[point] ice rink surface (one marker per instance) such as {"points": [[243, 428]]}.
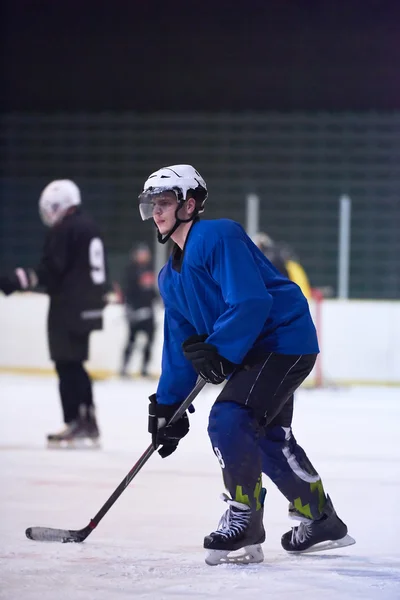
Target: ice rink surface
{"points": [[149, 546]]}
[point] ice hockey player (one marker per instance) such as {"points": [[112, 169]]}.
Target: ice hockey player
{"points": [[138, 290], [72, 272], [271, 251], [284, 259], [229, 314]]}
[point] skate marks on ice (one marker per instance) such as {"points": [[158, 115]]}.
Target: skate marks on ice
{"points": [[104, 571], [151, 549], [384, 570]]}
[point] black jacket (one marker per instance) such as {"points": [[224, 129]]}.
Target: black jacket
{"points": [[138, 286], [73, 273]]}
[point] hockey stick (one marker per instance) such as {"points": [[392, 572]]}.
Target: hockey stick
{"points": [[48, 534]]}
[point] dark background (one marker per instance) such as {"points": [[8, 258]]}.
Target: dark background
{"points": [[172, 56], [297, 101]]}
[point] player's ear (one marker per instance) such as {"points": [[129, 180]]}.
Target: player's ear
{"points": [[191, 205]]}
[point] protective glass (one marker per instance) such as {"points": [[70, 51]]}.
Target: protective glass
{"points": [[156, 200]]}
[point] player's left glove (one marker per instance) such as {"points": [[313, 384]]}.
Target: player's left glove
{"points": [[20, 279], [205, 359], [168, 436]]}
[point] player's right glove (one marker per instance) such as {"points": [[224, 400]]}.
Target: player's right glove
{"points": [[166, 436], [205, 359]]}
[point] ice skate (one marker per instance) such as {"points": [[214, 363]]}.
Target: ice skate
{"points": [[296, 515], [148, 376], [83, 433], [123, 373], [92, 428], [327, 533], [239, 535]]}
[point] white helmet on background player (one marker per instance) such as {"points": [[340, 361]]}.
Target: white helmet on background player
{"points": [[56, 199], [184, 181]]}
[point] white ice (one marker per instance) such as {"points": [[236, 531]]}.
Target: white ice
{"points": [[150, 543]]}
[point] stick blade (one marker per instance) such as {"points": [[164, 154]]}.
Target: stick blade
{"points": [[48, 534]]}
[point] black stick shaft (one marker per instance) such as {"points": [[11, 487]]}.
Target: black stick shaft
{"points": [[144, 458]]}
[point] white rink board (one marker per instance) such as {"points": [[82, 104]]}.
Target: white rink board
{"points": [[149, 546], [360, 340]]}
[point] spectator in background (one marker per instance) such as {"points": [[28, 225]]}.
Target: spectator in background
{"points": [[284, 259], [138, 294]]}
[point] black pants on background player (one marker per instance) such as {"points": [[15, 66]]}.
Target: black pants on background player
{"points": [[146, 326], [69, 351]]}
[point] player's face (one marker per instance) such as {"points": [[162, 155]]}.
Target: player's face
{"points": [[142, 257], [164, 207]]}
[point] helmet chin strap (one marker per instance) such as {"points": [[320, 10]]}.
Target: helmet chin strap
{"points": [[164, 239]]}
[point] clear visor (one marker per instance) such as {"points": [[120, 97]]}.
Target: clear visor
{"points": [[156, 200]]}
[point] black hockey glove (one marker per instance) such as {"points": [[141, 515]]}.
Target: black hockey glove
{"points": [[205, 359], [168, 436], [20, 279]]}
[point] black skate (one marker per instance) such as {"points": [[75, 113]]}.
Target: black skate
{"points": [[327, 533], [240, 528], [92, 428]]}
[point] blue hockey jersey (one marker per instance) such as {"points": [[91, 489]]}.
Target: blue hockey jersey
{"points": [[221, 284]]}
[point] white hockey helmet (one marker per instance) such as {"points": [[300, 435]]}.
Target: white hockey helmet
{"points": [[56, 198], [178, 179]]}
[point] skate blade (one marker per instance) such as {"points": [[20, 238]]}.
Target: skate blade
{"points": [[245, 556], [347, 540], [76, 444]]}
